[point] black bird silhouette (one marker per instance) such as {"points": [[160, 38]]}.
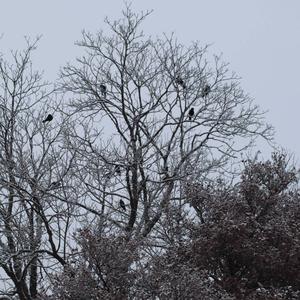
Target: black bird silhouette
{"points": [[55, 184], [206, 90], [48, 119], [118, 169], [180, 81], [122, 205], [191, 113], [103, 90]]}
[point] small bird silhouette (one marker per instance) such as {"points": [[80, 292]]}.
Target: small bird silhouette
{"points": [[122, 205], [103, 90], [206, 90], [180, 81], [48, 119], [191, 113], [55, 184], [118, 169]]}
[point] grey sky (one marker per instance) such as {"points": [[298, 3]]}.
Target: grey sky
{"points": [[260, 39]]}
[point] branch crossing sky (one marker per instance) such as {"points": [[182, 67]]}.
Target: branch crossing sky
{"points": [[260, 40]]}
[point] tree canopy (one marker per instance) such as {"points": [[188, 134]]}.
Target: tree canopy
{"points": [[115, 180]]}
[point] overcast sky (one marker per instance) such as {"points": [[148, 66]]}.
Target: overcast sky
{"points": [[259, 38]]}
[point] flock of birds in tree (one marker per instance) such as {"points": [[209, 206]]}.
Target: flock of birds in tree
{"points": [[205, 91], [103, 90]]}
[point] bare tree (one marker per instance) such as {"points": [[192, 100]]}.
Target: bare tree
{"points": [[245, 247], [152, 114], [146, 117], [34, 169]]}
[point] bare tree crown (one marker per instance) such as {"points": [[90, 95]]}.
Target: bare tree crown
{"points": [[157, 109], [131, 123]]}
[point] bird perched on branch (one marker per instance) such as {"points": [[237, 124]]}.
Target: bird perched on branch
{"points": [[55, 184], [118, 170], [48, 119], [191, 113], [180, 81], [206, 90], [122, 205], [103, 90]]}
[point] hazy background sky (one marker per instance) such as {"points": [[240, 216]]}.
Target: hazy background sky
{"points": [[260, 39]]}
